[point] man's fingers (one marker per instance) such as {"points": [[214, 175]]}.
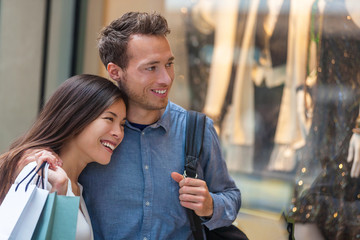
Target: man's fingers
{"points": [[194, 194], [193, 182], [177, 176], [202, 205], [191, 205], [187, 189], [188, 197]]}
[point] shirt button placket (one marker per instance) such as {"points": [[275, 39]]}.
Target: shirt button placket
{"points": [[146, 228]]}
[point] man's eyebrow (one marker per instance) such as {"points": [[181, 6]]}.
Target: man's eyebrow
{"points": [[151, 63], [156, 62]]}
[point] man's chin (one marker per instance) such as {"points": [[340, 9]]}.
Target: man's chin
{"points": [[157, 106]]}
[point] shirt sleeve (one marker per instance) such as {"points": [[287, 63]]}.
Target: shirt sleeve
{"points": [[226, 196]]}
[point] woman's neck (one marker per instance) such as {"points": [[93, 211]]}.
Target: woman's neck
{"points": [[73, 165]]}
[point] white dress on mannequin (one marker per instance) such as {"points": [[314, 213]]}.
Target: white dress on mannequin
{"points": [[238, 132]]}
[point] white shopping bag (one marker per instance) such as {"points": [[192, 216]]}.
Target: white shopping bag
{"points": [[20, 211]]}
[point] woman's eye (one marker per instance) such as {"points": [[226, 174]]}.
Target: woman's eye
{"points": [[109, 118]]}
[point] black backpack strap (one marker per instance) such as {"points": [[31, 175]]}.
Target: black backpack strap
{"points": [[195, 129]]}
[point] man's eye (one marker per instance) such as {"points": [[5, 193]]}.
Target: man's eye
{"points": [[169, 64], [151, 68]]}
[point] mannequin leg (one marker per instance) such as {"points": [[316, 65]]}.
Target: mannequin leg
{"points": [[307, 231]]}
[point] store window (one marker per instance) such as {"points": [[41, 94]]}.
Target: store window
{"points": [[280, 79]]}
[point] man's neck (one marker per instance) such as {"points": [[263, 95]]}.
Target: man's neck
{"points": [[143, 116]]}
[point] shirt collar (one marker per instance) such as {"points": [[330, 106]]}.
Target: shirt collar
{"points": [[163, 122]]}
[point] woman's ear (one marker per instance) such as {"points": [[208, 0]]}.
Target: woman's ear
{"points": [[115, 72]]}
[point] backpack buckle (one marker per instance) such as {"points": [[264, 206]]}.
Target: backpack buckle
{"points": [[185, 175]]}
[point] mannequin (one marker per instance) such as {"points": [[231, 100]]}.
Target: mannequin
{"points": [[328, 209], [238, 129], [199, 26], [268, 75]]}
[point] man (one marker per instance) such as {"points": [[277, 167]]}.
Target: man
{"points": [[140, 194]]}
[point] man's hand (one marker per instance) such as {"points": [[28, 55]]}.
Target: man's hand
{"points": [[354, 155], [194, 194]]}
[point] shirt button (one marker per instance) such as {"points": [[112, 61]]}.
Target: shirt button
{"points": [[143, 133], [145, 238], [146, 167], [147, 203]]}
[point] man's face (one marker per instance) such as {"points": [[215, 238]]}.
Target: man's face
{"points": [[150, 73]]}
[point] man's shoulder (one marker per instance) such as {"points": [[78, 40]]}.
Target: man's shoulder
{"points": [[178, 111], [174, 108], [173, 116]]}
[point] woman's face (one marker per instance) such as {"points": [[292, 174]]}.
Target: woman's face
{"points": [[98, 140]]}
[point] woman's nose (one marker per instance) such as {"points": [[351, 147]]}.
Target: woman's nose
{"points": [[118, 132]]}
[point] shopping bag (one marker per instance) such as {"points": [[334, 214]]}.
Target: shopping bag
{"points": [[21, 209], [58, 219]]}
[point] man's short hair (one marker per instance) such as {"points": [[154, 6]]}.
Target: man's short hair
{"points": [[113, 39]]}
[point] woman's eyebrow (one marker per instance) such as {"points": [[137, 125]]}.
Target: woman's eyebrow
{"points": [[112, 113]]}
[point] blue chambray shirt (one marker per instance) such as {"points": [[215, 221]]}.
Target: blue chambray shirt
{"points": [[134, 196]]}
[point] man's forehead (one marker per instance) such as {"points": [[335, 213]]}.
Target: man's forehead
{"points": [[149, 49]]}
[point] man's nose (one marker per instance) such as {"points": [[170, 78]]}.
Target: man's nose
{"points": [[166, 76]]}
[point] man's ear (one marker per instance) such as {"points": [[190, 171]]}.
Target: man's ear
{"points": [[115, 72]]}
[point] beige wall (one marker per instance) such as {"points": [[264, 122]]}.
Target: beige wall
{"points": [[94, 23], [116, 8], [20, 65], [21, 60]]}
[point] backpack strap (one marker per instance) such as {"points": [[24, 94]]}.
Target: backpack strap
{"points": [[195, 129]]}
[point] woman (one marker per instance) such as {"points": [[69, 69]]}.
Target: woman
{"points": [[82, 122]]}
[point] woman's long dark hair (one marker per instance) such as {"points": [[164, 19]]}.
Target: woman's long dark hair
{"points": [[74, 105]]}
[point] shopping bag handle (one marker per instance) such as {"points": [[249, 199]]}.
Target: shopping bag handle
{"points": [[42, 166]]}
